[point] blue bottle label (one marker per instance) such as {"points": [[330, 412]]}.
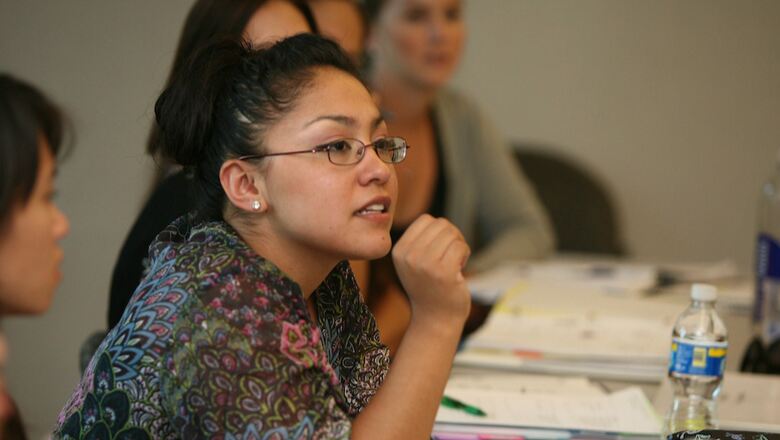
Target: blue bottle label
{"points": [[698, 358], [767, 301], [767, 268]]}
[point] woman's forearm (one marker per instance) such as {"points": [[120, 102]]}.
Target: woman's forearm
{"points": [[406, 404]]}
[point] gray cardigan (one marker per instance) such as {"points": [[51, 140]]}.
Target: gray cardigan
{"points": [[487, 196]]}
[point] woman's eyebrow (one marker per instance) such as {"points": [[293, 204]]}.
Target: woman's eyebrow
{"points": [[341, 119], [377, 122], [344, 120]]}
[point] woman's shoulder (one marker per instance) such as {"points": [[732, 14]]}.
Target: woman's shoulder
{"points": [[205, 269], [212, 264], [460, 118], [456, 103]]}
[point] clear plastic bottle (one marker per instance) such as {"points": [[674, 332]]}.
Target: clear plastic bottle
{"points": [[696, 363]]}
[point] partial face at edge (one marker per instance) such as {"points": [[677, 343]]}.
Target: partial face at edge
{"points": [[319, 207], [30, 255]]}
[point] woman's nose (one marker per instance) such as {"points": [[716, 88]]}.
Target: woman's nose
{"points": [[438, 27], [373, 169], [61, 224]]}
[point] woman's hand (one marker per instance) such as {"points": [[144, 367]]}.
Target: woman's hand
{"points": [[429, 259]]}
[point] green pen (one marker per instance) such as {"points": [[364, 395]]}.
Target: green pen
{"points": [[449, 402]]}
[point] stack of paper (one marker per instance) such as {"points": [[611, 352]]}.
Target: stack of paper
{"points": [[606, 276], [544, 407], [508, 361], [611, 276], [556, 328]]}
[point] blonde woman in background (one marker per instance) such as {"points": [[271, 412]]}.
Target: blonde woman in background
{"points": [[461, 168]]}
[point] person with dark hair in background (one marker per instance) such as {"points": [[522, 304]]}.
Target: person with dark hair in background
{"points": [[31, 225], [257, 21], [461, 170], [249, 323]]}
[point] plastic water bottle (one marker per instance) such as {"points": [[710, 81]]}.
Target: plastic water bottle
{"points": [[766, 312], [696, 364]]}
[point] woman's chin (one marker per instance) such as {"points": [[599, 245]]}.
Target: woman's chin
{"points": [[435, 78], [373, 252]]}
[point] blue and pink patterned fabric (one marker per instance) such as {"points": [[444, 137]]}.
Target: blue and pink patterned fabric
{"points": [[218, 343]]}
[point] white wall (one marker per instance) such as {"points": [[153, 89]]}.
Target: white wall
{"points": [[675, 104]]}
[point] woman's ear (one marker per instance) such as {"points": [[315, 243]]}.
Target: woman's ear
{"points": [[243, 185]]}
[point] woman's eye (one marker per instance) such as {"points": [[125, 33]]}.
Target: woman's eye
{"points": [[339, 146], [415, 14], [382, 144], [453, 14]]}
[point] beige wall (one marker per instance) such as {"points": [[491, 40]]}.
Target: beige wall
{"points": [[675, 104]]}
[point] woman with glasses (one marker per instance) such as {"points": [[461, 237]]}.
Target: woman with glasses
{"points": [[257, 21], [249, 323], [461, 168], [31, 224]]}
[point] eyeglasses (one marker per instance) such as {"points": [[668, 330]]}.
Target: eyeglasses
{"points": [[351, 151]]}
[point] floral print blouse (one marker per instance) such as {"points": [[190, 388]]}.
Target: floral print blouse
{"points": [[218, 343]]}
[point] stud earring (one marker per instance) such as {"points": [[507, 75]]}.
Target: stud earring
{"points": [[256, 205]]}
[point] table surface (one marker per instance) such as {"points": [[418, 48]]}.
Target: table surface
{"points": [[737, 320]]}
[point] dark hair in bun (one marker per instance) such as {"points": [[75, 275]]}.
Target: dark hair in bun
{"points": [[210, 20]]}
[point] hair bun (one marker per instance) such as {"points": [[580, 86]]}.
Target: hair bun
{"points": [[186, 108]]}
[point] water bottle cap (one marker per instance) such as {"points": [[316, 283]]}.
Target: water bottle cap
{"points": [[704, 292]]}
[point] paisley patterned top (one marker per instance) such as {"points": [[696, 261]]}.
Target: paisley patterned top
{"points": [[218, 343]]}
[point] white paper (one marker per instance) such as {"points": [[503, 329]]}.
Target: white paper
{"points": [[524, 383], [617, 277], [487, 287], [626, 411], [602, 275], [560, 322], [606, 275], [572, 336], [495, 360]]}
